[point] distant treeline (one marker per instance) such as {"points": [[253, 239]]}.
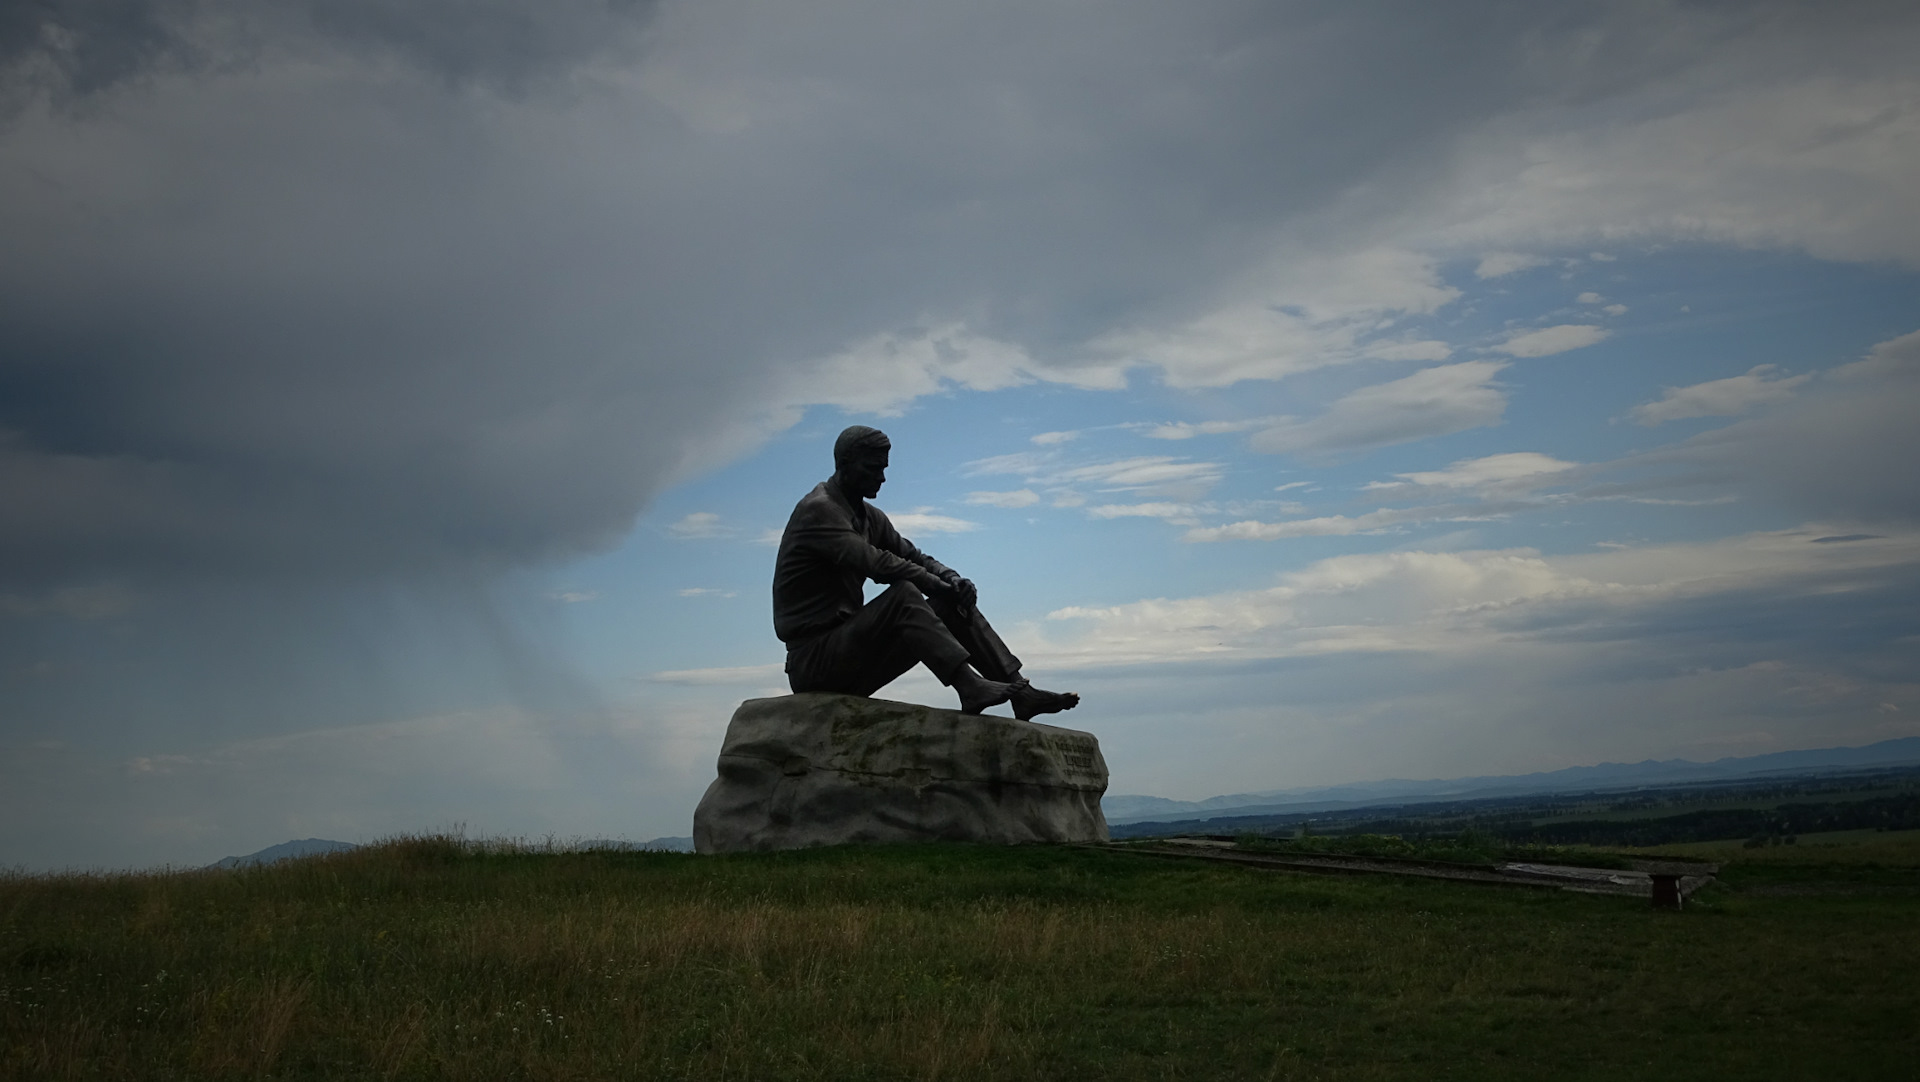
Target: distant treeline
{"points": [[1531, 820], [1900, 812]]}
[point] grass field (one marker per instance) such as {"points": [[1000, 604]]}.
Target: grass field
{"points": [[433, 958]]}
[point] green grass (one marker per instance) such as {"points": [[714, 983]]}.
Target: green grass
{"points": [[431, 958]]}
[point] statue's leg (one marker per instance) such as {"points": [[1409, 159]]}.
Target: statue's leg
{"points": [[989, 655], [889, 635], [994, 661]]}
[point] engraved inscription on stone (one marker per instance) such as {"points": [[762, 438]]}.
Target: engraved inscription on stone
{"points": [[1077, 752]]}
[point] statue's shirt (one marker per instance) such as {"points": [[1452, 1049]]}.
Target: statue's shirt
{"points": [[832, 545]]}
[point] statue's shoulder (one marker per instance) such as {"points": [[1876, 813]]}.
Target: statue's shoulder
{"points": [[817, 497], [819, 506]]}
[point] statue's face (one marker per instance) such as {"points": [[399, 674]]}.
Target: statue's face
{"points": [[865, 474]]}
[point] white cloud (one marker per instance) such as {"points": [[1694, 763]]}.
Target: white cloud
{"points": [[1024, 497], [575, 597], [882, 373], [1185, 430], [1457, 603], [165, 764], [1049, 439], [1156, 474], [1431, 402], [706, 591], [1894, 358], [1615, 309], [1743, 149], [1020, 462], [1371, 603], [1420, 349], [1297, 314], [1590, 298], [921, 520], [1501, 264], [699, 525], [754, 675], [1291, 485], [1481, 473], [1551, 340], [1143, 473], [1180, 514], [1720, 397], [1324, 526]]}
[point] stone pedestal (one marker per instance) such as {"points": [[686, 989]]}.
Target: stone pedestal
{"points": [[817, 769]]}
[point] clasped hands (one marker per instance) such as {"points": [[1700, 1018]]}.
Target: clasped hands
{"points": [[965, 593]]}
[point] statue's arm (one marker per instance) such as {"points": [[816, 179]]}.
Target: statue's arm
{"points": [[837, 542], [949, 579], [888, 538]]}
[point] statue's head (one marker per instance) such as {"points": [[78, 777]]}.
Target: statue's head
{"points": [[860, 460]]}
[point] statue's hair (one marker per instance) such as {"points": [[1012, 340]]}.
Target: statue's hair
{"points": [[856, 439]]}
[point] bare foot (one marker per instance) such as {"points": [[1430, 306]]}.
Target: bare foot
{"points": [[977, 693], [1030, 701]]}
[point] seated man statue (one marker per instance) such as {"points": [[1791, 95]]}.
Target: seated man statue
{"points": [[834, 542]]}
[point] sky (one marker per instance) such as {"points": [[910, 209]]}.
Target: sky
{"points": [[398, 403]]}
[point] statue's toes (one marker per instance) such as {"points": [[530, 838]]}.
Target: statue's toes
{"points": [[1030, 701]]}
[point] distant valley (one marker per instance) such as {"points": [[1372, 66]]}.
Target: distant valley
{"points": [[1604, 777]]}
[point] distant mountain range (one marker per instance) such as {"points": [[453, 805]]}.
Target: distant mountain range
{"points": [[1606, 776], [273, 854], [307, 847]]}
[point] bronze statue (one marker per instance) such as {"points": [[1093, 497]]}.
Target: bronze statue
{"points": [[928, 614]]}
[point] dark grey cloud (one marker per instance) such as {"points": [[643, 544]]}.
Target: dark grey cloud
{"points": [[1851, 620], [77, 48], [410, 284], [1837, 450], [502, 43], [74, 49], [1841, 452]]}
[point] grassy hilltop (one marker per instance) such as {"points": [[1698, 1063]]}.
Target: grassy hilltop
{"points": [[434, 958]]}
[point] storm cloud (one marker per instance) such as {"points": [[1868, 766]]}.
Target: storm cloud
{"points": [[335, 289]]}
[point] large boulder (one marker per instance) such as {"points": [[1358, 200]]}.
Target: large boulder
{"points": [[818, 769]]}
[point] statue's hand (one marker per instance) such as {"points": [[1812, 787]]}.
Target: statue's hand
{"points": [[967, 592], [963, 591]]}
